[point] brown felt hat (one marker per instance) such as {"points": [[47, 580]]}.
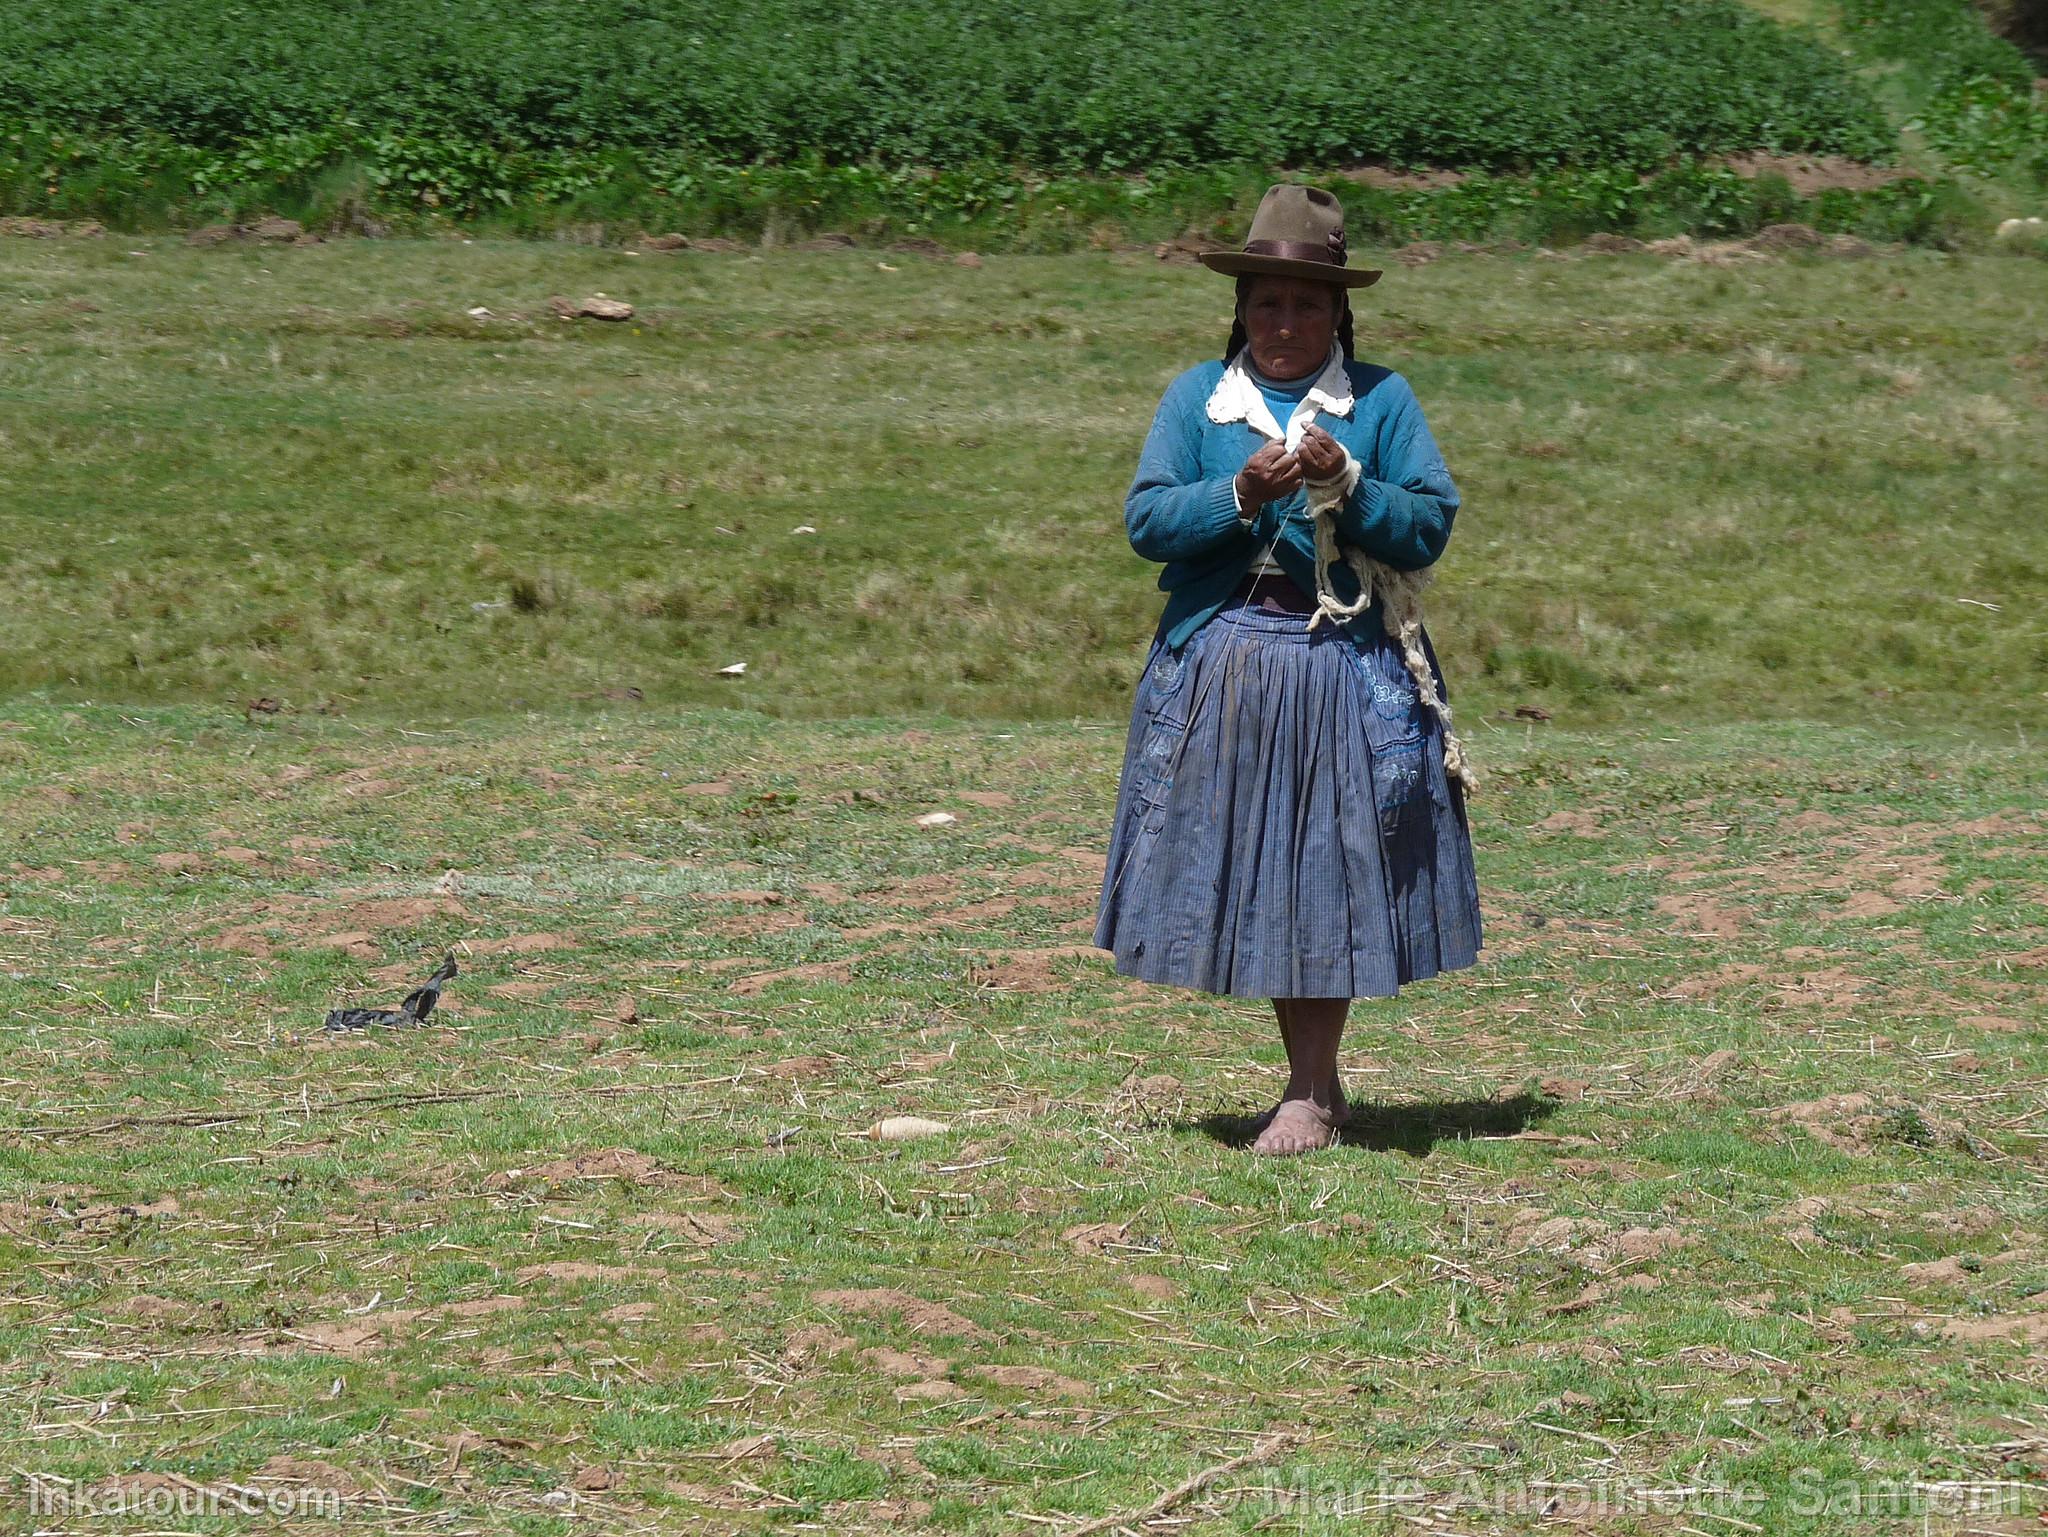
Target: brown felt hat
{"points": [[1298, 232]]}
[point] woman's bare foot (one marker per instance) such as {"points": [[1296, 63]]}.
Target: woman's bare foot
{"points": [[1340, 1114], [1298, 1126]]}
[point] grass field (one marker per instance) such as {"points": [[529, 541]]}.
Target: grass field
{"points": [[1693, 491], [605, 1241], [1720, 1175]]}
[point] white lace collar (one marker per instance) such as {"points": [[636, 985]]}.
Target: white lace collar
{"points": [[1237, 398]]}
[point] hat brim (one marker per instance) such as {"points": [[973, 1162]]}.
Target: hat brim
{"points": [[1238, 264]]}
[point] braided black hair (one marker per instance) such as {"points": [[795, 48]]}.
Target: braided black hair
{"points": [[1244, 289]]}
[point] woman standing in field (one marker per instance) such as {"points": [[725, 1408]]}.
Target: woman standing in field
{"points": [[1291, 819]]}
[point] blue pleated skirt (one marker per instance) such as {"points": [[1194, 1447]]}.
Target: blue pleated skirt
{"points": [[1284, 825]]}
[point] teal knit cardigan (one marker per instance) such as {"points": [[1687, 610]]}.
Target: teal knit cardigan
{"points": [[1182, 506]]}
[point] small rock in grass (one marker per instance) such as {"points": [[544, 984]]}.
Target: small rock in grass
{"points": [[904, 1128]]}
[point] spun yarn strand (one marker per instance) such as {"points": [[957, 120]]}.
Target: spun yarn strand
{"points": [[1400, 611]]}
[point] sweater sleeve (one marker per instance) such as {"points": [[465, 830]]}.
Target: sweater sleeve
{"points": [[1171, 512], [1404, 516]]}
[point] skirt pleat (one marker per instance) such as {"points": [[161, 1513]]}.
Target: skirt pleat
{"points": [[1284, 825]]}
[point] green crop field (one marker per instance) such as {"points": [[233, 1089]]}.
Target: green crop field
{"points": [[1046, 83], [1052, 126], [346, 626]]}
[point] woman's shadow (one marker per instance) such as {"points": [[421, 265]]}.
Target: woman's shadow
{"points": [[1413, 1128]]}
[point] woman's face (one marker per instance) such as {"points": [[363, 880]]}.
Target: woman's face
{"points": [[1290, 323]]}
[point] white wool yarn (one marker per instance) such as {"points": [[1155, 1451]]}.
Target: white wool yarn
{"points": [[1400, 611]]}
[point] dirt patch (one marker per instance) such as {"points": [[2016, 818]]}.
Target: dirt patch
{"points": [[1998, 824], [1700, 915], [1094, 1237], [1946, 1271], [812, 1342], [624, 1163], [325, 1476], [920, 1316], [840, 972], [1389, 180], [1035, 1379], [1723, 978], [520, 944], [701, 1228], [1831, 989], [1862, 1123], [352, 1337], [1581, 824], [934, 1391], [243, 941], [1028, 971], [1809, 174], [903, 1363], [1642, 1243], [2023, 1328], [799, 1067], [519, 990], [750, 925], [396, 913], [109, 1216], [583, 1270], [156, 1310]]}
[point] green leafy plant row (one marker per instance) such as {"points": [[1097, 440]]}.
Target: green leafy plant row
{"points": [[413, 184], [1054, 84], [340, 180]]}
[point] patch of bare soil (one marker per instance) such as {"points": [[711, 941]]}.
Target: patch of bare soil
{"points": [[1094, 1237], [1582, 824], [903, 1363], [819, 971], [50, 229], [624, 1163], [704, 1228], [521, 990], [110, 1216], [1035, 1379], [1861, 1123], [774, 920], [1028, 971], [583, 1270], [810, 1343], [325, 1476], [156, 1310], [1387, 179], [2022, 1328], [799, 1067], [520, 944], [1693, 914], [918, 1315], [935, 1390], [1809, 174], [1723, 978], [394, 913]]}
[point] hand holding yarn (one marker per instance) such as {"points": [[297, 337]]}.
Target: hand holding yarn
{"points": [[1268, 475], [1321, 456]]}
